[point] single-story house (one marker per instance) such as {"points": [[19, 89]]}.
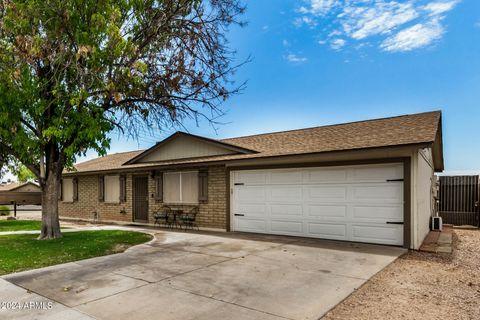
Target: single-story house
{"points": [[367, 181], [20, 193]]}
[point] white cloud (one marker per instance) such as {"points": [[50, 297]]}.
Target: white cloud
{"points": [[381, 18], [477, 24], [303, 10], [335, 33], [414, 37], [323, 6], [439, 7], [293, 58], [285, 43], [319, 7], [338, 44], [305, 20], [392, 25]]}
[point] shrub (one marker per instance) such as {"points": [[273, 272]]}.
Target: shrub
{"points": [[4, 211]]}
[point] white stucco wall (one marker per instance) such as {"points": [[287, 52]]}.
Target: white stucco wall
{"points": [[422, 195]]}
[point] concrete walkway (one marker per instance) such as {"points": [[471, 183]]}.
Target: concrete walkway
{"points": [[439, 241], [210, 276]]}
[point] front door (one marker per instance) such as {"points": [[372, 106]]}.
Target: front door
{"points": [[140, 199]]}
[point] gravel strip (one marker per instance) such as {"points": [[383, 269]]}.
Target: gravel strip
{"points": [[422, 286]]}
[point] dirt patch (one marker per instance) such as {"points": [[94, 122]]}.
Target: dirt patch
{"points": [[119, 248], [422, 285]]}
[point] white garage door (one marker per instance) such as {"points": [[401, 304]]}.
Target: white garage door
{"points": [[355, 203]]}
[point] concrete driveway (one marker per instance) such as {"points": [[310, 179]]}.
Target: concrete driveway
{"points": [[203, 276]]}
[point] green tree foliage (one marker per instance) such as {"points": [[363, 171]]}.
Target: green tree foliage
{"points": [[73, 70], [24, 174]]}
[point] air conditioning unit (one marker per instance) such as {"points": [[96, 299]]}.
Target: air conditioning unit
{"points": [[437, 223]]}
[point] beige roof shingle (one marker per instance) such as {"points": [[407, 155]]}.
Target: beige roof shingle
{"points": [[395, 131], [409, 129], [14, 185]]}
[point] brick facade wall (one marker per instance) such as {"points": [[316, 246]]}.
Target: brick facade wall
{"points": [[213, 214], [88, 203]]}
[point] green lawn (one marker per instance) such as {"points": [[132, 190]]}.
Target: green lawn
{"points": [[17, 225], [23, 252]]}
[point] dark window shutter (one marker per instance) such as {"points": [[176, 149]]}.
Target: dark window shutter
{"points": [[203, 186], [101, 189], [75, 189], [159, 186], [60, 192], [123, 189]]}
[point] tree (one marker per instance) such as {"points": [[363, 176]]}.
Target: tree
{"points": [[72, 71], [24, 174]]}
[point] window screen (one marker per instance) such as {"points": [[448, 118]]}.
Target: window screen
{"points": [[180, 187], [171, 187], [189, 187], [112, 188], [67, 190]]}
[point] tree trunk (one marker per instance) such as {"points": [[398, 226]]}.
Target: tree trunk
{"points": [[50, 223]]}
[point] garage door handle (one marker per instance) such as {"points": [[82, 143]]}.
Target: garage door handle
{"points": [[394, 180], [394, 222], [239, 215]]}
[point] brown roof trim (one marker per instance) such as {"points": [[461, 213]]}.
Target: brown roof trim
{"points": [[223, 162], [437, 148], [219, 143], [417, 145], [154, 163]]}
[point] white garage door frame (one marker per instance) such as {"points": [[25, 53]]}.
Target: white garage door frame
{"points": [[406, 186]]}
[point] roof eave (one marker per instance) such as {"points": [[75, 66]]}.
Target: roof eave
{"points": [[220, 162], [180, 133], [437, 148]]}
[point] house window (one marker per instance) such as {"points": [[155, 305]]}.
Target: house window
{"points": [[67, 190], [112, 189], [180, 187]]}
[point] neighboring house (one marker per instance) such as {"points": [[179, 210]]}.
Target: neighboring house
{"points": [[21, 193], [368, 181]]}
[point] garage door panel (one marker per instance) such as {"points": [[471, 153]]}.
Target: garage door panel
{"points": [[341, 203], [327, 230], [378, 212], [377, 234], [327, 193], [326, 211], [251, 177], [286, 210], [286, 177], [381, 193], [377, 173], [294, 193], [251, 225], [286, 227], [255, 210], [326, 175], [252, 194]]}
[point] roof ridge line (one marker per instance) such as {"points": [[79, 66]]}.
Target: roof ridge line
{"points": [[333, 125]]}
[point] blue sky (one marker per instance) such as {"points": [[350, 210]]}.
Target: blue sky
{"points": [[319, 62]]}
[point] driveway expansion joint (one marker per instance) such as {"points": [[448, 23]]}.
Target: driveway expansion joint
{"points": [[108, 296], [228, 302]]}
